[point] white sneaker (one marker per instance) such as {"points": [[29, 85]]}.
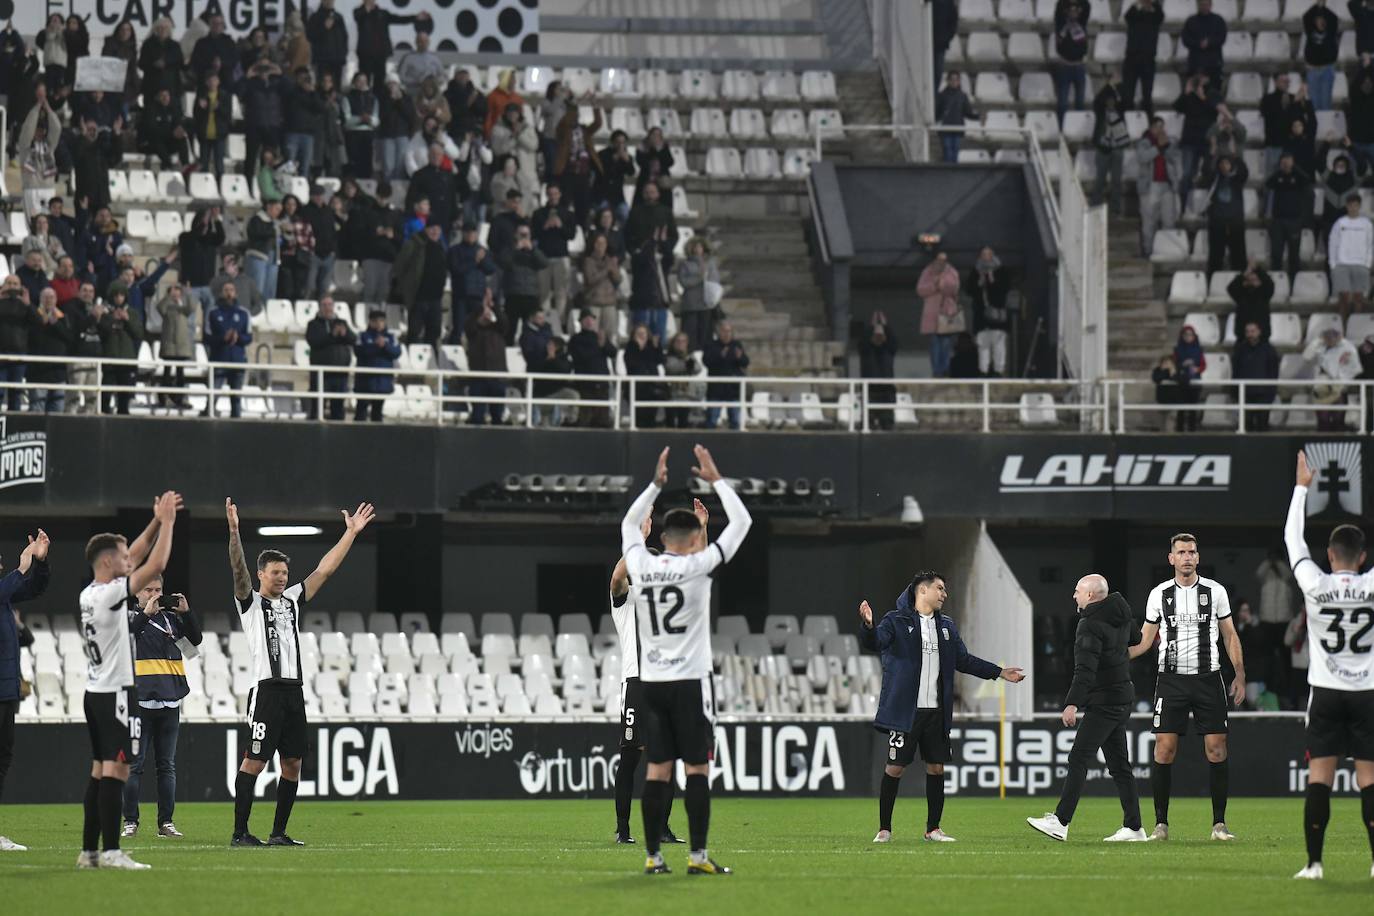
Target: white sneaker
{"points": [[88, 859], [1049, 825], [1161, 832], [118, 858], [1126, 835], [8, 845], [884, 836], [1313, 872], [1219, 832], [939, 836], [130, 829]]}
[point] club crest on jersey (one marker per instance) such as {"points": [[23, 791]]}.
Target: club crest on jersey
{"points": [[1202, 600], [257, 747]]}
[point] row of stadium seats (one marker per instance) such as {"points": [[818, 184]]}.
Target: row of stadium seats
{"points": [[1285, 328], [1192, 288], [1176, 12], [1109, 48]]}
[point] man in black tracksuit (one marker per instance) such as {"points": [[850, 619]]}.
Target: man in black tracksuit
{"points": [[1101, 684], [331, 343]]}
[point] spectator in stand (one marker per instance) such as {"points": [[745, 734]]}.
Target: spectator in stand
{"points": [[608, 225], [85, 313], [430, 103], [376, 227], [592, 354], [419, 65], [1359, 119], [53, 46], [331, 154], [122, 45], [246, 291], [724, 358], [360, 117], [1199, 107], [655, 161], [261, 92], [989, 286], [944, 25], [65, 282], [49, 335], [1362, 12], [877, 359], [577, 167], [1204, 34], [513, 136], [1337, 362], [376, 349], [262, 260], [1071, 46], [215, 53], [1254, 358], [374, 37], [211, 119], [16, 320], [324, 228], [679, 363], [435, 183], [1191, 362], [471, 266], [650, 217], [694, 271], [227, 336], [554, 361], [557, 99], [160, 60], [41, 240], [506, 178], [431, 133], [534, 339], [1322, 31], [487, 331], [644, 358], [32, 275], [963, 362], [617, 165], [143, 288], [418, 207], [941, 317], [331, 343], [1277, 598], [1366, 350], [1110, 139], [1226, 137], [506, 224], [1295, 638], [306, 122], [94, 153], [466, 104], [38, 169], [501, 98], [397, 122], [1350, 253], [520, 267], [297, 251], [1252, 291], [952, 109], [162, 131], [121, 332], [328, 36], [601, 286], [78, 42], [1337, 183], [63, 228], [179, 320], [420, 273], [1302, 146], [1292, 206], [101, 241], [1226, 214], [554, 225], [1143, 20], [650, 266]]}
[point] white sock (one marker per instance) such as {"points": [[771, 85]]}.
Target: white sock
{"points": [[698, 856]]}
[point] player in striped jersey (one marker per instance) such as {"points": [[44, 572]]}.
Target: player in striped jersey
{"points": [[1193, 612], [108, 616], [276, 705], [1340, 710]]}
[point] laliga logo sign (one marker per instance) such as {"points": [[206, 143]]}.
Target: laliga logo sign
{"points": [[1127, 473], [23, 457]]}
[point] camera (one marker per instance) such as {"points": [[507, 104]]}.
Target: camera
{"points": [[169, 602]]}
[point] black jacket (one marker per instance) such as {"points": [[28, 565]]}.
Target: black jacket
{"points": [[1359, 117], [1292, 194], [1196, 28], [1362, 11], [1199, 114], [1142, 32], [1252, 302], [199, 253], [1226, 199], [327, 45], [1101, 665], [1323, 33], [1260, 361], [325, 348]]}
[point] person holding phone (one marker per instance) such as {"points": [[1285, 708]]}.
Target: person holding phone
{"points": [[160, 678]]}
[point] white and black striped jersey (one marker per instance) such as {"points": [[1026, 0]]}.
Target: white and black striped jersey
{"points": [[274, 641], [105, 610], [1188, 617], [623, 615], [1340, 612], [928, 692], [672, 593]]}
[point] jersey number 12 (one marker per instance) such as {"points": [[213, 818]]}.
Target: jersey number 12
{"points": [[667, 595]]}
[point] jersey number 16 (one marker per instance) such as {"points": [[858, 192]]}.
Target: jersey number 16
{"points": [[667, 595]]}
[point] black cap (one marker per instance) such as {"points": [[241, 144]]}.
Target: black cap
{"points": [[316, 190], [376, 313], [469, 227], [513, 194]]}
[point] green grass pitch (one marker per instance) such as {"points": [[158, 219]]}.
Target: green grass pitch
{"points": [[794, 855]]}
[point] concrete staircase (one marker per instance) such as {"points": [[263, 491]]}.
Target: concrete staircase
{"points": [[1137, 320]]}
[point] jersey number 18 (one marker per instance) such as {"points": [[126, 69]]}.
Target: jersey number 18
{"points": [[667, 595]]}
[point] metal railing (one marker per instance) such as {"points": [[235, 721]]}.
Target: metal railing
{"points": [[1253, 398]]}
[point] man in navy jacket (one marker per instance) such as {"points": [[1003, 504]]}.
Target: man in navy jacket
{"points": [[27, 581], [921, 649]]}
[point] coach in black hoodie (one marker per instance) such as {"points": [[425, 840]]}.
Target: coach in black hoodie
{"points": [[1102, 685]]}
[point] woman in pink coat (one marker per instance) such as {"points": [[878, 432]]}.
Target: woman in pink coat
{"points": [[939, 289]]}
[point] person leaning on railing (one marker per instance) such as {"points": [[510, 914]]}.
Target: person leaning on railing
{"points": [[376, 349], [227, 335], [678, 362], [178, 311], [16, 319], [1254, 357], [121, 332], [555, 361], [331, 344], [51, 335], [877, 357]]}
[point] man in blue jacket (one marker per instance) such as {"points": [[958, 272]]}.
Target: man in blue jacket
{"points": [[376, 349], [227, 336], [921, 649], [27, 581], [470, 265]]}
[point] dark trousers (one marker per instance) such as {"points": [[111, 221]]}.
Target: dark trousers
{"points": [[1276, 664], [12, 372], [160, 727], [426, 322], [255, 141], [358, 143], [1284, 233], [8, 710], [1225, 236], [212, 153], [881, 394], [1103, 727], [173, 378], [463, 306], [518, 309], [334, 407], [1257, 421], [487, 388], [234, 378], [116, 375], [375, 68], [697, 326], [370, 409], [1141, 70]]}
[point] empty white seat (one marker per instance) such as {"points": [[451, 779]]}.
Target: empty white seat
{"points": [[1218, 368], [1025, 48], [666, 120], [1169, 245], [819, 85], [724, 162], [708, 122], [698, 84], [746, 124], [171, 188], [1001, 126], [168, 226], [739, 86], [236, 190], [796, 162], [1358, 328], [119, 187], [1310, 288], [825, 121], [1330, 126], [762, 163], [1110, 48], [1239, 47], [139, 224], [787, 124], [617, 81], [781, 86], [991, 88], [1261, 11], [1015, 12], [1285, 329], [1037, 409], [1078, 126], [142, 185], [1188, 287], [1216, 289], [657, 83], [1044, 124], [1272, 47], [1245, 88], [630, 120], [1035, 89], [985, 47]]}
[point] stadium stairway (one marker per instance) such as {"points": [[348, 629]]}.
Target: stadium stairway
{"points": [[1137, 320]]}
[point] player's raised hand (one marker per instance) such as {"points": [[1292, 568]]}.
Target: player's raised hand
{"points": [[866, 613], [360, 517], [1013, 675], [661, 471], [39, 545], [706, 465], [231, 512], [699, 510], [1304, 472], [168, 505]]}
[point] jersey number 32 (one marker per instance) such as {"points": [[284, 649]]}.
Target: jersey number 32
{"points": [[1334, 640], [668, 597]]}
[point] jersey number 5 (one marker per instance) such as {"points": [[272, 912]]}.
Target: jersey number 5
{"points": [[668, 594], [1334, 642]]}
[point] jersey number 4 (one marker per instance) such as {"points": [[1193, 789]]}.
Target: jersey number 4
{"points": [[1334, 640], [667, 595]]}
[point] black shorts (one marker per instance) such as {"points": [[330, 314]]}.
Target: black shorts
{"points": [[679, 719], [927, 733], [1340, 723], [631, 718], [276, 721], [113, 724], [1203, 695]]}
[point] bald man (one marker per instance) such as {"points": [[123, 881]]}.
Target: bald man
{"points": [[1101, 686]]}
